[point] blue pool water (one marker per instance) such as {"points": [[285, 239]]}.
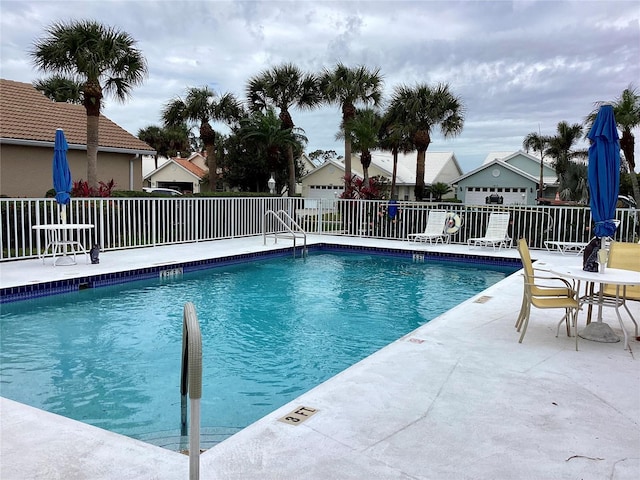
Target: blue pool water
{"points": [[272, 329]]}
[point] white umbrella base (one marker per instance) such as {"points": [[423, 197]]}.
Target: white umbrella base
{"points": [[64, 260]]}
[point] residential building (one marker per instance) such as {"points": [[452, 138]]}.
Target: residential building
{"points": [[28, 123], [327, 180], [507, 178], [187, 175], [439, 167]]}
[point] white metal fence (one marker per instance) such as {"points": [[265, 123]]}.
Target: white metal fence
{"points": [[121, 223]]}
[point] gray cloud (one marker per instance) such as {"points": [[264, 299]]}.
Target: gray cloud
{"points": [[515, 65]]}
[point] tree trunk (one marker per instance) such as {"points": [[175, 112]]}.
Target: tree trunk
{"points": [[394, 174], [634, 187], [421, 140], [541, 186], [348, 113], [347, 160], [420, 159], [92, 92], [208, 137], [92, 150], [213, 167], [287, 124], [292, 171], [627, 143], [365, 159]]}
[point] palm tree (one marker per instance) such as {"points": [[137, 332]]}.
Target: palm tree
{"points": [[104, 59], [560, 147], [439, 189], [421, 109], [394, 138], [60, 89], [626, 109], [574, 185], [283, 87], [364, 129], [266, 132], [167, 142], [348, 87], [201, 106], [538, 143]]}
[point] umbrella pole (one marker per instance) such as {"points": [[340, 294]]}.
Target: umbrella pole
{"points": [[65, 259], [599, 331], [62, 213]]}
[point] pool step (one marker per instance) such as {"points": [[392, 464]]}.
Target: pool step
{"points": [[172, 440]]}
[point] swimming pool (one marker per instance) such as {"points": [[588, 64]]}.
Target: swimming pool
{"points": [[272, 329]]}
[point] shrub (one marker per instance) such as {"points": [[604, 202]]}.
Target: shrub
{"points": [[82, 189]]}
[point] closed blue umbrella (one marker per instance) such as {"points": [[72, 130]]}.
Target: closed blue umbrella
{"points": [[61, 173], [604, 184], [604, 171]]}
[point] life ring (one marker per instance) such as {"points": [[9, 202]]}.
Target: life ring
{"points": [[452, 223]]}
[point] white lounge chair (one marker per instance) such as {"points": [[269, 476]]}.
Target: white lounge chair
{"points": [[496, 234], [572, 247], [565, 247], [434, 230]]}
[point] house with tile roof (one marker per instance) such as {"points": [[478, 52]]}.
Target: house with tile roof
{"points": [[28, 123], [507, 178], [327, 181], [187, 175]]}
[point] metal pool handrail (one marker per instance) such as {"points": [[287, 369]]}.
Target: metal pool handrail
{"points": [[191, 381], [298, 232]]}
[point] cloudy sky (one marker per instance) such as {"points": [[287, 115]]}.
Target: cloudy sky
{"points": [[518, 66]]}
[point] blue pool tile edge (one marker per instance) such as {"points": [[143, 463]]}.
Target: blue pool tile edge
{"points": [[26, 292]]}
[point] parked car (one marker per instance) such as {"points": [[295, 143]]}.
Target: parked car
{"points": [[163, 191]]}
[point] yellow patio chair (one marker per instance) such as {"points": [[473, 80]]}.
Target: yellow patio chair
{"points": [[544, 296], [623, 255]]}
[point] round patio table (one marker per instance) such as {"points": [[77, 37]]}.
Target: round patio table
{"points": [[599, 331], [58, 239]]}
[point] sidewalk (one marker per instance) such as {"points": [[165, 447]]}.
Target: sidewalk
{"points": [[458, 398]]}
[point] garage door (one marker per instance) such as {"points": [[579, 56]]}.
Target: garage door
{"points": [[325, 191], [510, 196], [475, 198]]}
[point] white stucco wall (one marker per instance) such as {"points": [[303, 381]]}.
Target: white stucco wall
{"points": [[325, 182]]}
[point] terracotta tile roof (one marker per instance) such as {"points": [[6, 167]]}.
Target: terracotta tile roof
{"points": [[26, 114], [196, 170]]}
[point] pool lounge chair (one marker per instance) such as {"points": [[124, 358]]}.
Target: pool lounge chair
{"points": [[496, 234], [572, 247], [434, 230], [565, 247]]}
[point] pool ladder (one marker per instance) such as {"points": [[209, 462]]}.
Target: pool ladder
{"points": [[191, 382], [291, 229]]}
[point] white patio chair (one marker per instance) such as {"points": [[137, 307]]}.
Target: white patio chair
{"points": [[434, 230], [496, 233]]}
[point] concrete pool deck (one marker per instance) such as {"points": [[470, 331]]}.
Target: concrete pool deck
{"points": [[457, 398]]}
